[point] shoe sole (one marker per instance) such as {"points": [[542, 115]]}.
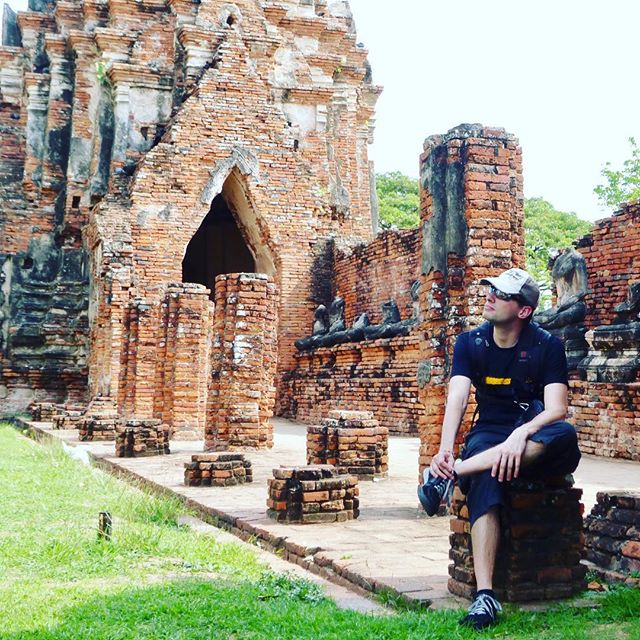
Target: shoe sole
{"points": [[426, 503]]}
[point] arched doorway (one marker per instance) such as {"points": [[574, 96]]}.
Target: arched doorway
{"points": [[217, 247]]}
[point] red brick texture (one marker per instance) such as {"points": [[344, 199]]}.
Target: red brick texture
{"points": [[612, 536], [613, 263], [374, 375], [222, 469], [540, 545], [312, 494], [352, 442], [607, 418], [382, 270], [243, 363]]}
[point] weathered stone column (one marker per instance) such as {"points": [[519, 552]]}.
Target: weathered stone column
{"points": [[183, 364], [472, 219], [243, 363]]}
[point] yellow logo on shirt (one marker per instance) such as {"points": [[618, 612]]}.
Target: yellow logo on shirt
{"points": [[497, 381]]}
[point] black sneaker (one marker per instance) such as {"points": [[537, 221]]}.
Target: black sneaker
{"points": [[482, 613], [433, 491]]}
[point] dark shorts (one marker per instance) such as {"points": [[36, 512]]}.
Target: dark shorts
{"points": [[561, 456]]}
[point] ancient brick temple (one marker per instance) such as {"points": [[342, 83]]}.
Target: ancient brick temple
{"points": [[188, 231], [149, 147]]}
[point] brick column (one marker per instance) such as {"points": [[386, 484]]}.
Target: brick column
{"points": [[182, 371], [471, 209], [243, 363]]}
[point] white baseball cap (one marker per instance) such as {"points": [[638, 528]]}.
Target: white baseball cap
{"points": [[516, 282]]}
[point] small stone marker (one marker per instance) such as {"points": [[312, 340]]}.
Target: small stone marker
{"points": [[219, 469], [312, 494]]}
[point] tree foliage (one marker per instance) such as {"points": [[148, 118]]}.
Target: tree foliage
{"points": [[398, 200], [547, 230], [621, 185]]}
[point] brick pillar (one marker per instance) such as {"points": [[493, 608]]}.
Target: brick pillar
{"points": [[183, 367], [139, 359], [243, 363], [471, 210]]}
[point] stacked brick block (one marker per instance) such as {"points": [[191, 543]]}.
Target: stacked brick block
{"points": [[613, 263], [353, 442], [472, 216], [313, 494], [243, 362], [142, 438], [378, 376], [44, 411], [99, 421], [540, 545], [607, 418], [221, 469], [67, 419], [612, 536]]}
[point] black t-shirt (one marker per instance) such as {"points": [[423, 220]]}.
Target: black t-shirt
{"points": [[498, 405]]}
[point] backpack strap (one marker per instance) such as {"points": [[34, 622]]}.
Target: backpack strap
{"points": [[479, 348], [527, 371]]}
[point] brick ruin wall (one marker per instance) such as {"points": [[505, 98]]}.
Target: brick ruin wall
{"points": [[613, 262], [368, 275], [372, 375], [607, 414], [123, 123]]}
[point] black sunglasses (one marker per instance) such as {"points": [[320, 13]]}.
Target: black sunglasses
{"points": [[501, 295]]}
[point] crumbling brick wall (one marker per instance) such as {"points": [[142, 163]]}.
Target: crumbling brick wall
{"points": [[126, 120], [372, 375], [370, 274], [613, 262], [606, 414]]}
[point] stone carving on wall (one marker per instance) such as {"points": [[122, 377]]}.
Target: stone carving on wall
{"points": [[615, 349], [391, 326], [566, 319]]}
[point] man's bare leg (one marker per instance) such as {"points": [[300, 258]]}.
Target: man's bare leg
{"points": [[486, 459], [485, 537]]}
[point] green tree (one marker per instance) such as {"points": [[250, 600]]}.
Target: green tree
{"points": [[398, 200], [546, 230], [622, 185]]}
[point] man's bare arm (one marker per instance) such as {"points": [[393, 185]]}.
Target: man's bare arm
{"points": [[556, 403], [457, 400]]}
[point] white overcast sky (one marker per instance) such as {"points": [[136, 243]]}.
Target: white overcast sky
{"points": [[559, 74]]}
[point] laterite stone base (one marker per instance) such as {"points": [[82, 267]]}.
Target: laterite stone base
{"points": [[352, 441], [141, 438], [222, 469], [540, 548], [312, 494]]}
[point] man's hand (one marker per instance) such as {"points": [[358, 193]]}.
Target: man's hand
{"points": [[442, 464], [507, 464]]}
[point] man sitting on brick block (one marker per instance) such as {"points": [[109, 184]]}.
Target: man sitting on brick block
{"points": [[520, 375]]}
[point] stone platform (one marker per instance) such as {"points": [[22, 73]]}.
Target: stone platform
{"points": [[392, 545]]}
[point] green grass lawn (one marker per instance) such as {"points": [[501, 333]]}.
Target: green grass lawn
{"points": [[156, 580]]}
